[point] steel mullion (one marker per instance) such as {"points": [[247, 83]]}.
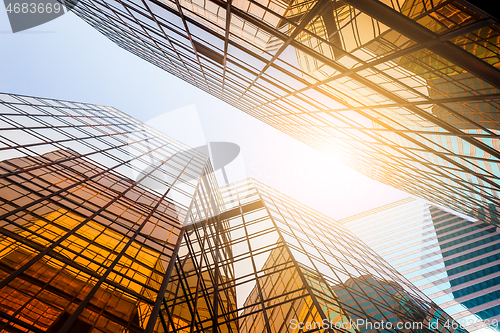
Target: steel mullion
{"points": [[417, 111], [236, 45], [60, 257], [199, 270], [181, 15], [415, 31], [140, 207], [74, 157], [95, 275], [70, 321], [256, 277], [429, 101], [127, 7], [168, 272], [188, 295], [318, 7], [163, 287], [168, 39], [226, 40], [163, 323], [215, 306], [20, 322], [169, 315], [60, 240], [311, 243], [396, 54]]}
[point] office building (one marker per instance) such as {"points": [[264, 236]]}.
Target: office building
{"points": [[453, 260], [84, 245], [405, 91], [292, 269], [110, 226]]}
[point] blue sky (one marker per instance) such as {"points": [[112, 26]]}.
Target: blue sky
{"points": [[67, 59]]}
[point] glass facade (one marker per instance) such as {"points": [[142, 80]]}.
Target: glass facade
{"points": [[404, 91], [291, 269], [110, 226], [454, 261], [85, 246]]}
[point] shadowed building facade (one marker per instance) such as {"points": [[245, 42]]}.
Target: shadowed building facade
{"points": [[110, 226], [404, 91], [453, 261]]}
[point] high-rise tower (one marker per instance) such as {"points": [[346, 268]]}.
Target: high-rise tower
{"points": [[452, 260], [93, 205], [290, 269], [403, 91]]}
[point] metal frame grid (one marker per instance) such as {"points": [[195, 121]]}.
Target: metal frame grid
{"points": [[268, 260], [405, 92], [85, 245], [451, 259], [132, 234]]}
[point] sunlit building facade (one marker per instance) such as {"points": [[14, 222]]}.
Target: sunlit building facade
{"points": [[292, 269], [85, 246], [110, 226], [404, 91], [453, 260]]}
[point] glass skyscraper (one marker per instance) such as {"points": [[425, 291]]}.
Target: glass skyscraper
{"points": [[110, 226], [85, 246], [453, 260], [292, 269], [404, 91]]}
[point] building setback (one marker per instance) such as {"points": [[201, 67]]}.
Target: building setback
{"points": [[452, 260], [110, 226]]}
